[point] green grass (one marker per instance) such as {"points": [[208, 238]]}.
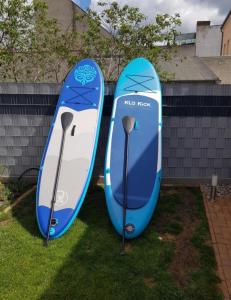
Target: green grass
{"points": [[169, 203], [173, 228], [86, 262], [205, 275]]}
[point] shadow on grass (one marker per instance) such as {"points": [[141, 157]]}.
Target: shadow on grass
{"points": [[25, 214], [96, 270]]}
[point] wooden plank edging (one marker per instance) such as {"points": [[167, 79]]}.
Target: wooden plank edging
{"points": [[19, 199]]}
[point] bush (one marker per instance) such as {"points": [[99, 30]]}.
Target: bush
{"points": [[5, 192]]}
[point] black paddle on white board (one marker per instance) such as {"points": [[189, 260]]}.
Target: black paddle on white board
{"points": [[66, 119], [128, 125]]}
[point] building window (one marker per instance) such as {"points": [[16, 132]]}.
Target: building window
{"points": [[227, 51]]}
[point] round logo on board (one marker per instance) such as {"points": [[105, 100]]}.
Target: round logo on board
{"points": [[61, 198], [85, 74]]}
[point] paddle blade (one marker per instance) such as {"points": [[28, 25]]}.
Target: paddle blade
{"points": [[128, 124], [66, 119]]}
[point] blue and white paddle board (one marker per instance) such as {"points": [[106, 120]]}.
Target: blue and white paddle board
{"points": [[138, 94], [82, 95]]}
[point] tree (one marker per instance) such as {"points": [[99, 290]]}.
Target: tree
{"points": [[15, 28], [50, 46], [128, 36], [32, 47]]}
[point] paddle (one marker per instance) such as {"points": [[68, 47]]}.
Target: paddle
{"points": [[128, 125], [66, 119]]}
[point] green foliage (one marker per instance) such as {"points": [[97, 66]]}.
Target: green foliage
{"points": [[5, 192], [14, 32], [3, 216], [9, 192], [127, 35], [16, 187], [32, 47]]}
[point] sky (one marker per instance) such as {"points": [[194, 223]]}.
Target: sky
{"points": [[190, 11]]}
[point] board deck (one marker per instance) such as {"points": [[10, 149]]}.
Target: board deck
{"points": [[138, 94], [82, 95]]}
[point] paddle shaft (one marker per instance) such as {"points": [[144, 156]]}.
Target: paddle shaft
{"points": [[55, 186], [125, 188]]}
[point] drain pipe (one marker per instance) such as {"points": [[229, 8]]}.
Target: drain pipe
{"points": [[214, 187]]}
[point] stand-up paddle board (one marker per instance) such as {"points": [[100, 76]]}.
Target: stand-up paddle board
{"points": [[69, 155], [133, 158]]}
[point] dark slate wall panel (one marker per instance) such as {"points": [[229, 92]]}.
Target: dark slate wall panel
{"points": [[188, 152], [197, 151], [196, 139], [22, 141]]}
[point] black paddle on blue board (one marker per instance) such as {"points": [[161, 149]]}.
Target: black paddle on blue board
{"points": [[128, 125], [66, 119]]}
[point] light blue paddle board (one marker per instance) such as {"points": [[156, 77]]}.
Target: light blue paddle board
{"points": [[138, 94], [82, 95]]}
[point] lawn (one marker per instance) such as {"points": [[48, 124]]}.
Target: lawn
{"points": [[173, 259]]}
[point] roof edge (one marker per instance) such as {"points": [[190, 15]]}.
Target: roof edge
{"points": [[227, 17]]}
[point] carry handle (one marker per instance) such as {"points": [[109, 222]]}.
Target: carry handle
{"points": [[73, 130]]}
